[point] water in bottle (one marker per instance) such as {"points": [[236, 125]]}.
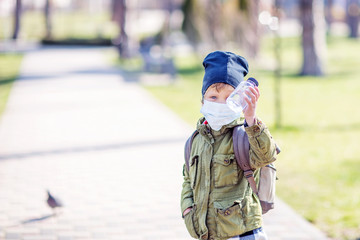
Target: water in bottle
{"points": [[236, 99]]}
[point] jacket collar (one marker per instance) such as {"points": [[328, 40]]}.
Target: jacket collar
{"points": [[206, 130]]}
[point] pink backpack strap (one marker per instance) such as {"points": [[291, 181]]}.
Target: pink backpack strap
{"points": [[241, 150]]}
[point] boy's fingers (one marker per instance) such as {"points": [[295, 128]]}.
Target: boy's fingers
{"points": [[247, 99], [251, 101], [252, 95], [255, 91], [258, 91]]}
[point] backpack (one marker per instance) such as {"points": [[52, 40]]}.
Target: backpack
{"points": [[266, 188]]}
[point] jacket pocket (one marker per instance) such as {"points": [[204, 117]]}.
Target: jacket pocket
{"points": [[193, 165], [190, 223], [251, 210], [229, 221], [225, 170]]}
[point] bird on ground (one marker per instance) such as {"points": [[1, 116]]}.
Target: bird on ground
{"points": [[53, 202]]}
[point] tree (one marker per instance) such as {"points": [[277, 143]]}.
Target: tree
{"points": [[167, 27], [218, 22], [313, 37], [353, 17], [17, 19], [119, 16], [242, 25], [48, 19], [277, 71], [214, 23], [253, 35], [189, 23], [328, 14], [203, 22]]}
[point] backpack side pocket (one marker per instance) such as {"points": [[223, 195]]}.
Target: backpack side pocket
{"points": [[267, 187]]}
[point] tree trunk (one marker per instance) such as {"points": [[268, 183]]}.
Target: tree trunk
{"points": [[17, 19], [216, 23], [242, 25], [353, 16], [189, 22], [254, 35], [213, 19], [328, 14], [119, 16], [167, 28], [313, 37], [277, 71], [48, 19]]}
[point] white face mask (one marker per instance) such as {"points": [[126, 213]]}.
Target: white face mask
{"points": [[218, 114]]}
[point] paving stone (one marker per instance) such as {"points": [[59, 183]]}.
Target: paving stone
{"points": [[12, 235], [39, 237]]}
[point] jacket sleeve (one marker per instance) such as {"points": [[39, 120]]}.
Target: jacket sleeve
{"points": [[263, 149], [186, 193]]}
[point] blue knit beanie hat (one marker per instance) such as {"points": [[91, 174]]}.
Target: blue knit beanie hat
{"points": [[224, 67]]}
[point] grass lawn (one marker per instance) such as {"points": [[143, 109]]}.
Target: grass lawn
{"points": [[9, 67], [319, 165], [66, 24]]}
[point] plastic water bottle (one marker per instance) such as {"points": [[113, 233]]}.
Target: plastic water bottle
{"points": [[236, 99]]}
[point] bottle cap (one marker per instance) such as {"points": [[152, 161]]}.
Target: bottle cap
{"points": [[254, 81]]}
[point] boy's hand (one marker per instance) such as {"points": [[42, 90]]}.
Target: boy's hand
{"points": [[250, 110]]}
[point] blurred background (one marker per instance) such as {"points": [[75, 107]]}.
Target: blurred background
{"points": [[305, 54]]}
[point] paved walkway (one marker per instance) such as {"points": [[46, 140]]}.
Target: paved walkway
{"points": [[111, 152]]}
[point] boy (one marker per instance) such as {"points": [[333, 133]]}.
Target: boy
{"points": [[216, 199]]}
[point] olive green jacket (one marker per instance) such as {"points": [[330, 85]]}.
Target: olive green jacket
{"points": [[222, 201]]}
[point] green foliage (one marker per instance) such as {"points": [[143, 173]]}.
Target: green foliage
{"points": [[320, 160], [9, 68]]}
